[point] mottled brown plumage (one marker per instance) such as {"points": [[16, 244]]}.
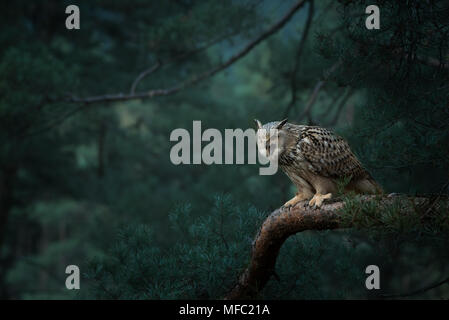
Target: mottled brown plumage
{"points": [[314, 158]]}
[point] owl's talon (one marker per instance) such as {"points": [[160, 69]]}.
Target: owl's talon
{"points": [[318, 199], [291, 202]]}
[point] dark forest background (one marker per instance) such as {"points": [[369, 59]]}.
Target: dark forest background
{"points": [[85, 173]]}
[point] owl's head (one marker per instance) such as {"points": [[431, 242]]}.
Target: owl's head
{"points": [[271, 138]]}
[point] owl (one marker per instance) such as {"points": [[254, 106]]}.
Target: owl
{"points": [[314, 159]]}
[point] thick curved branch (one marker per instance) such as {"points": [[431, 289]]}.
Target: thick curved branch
{"points": [[281, 224], [178, 87]]}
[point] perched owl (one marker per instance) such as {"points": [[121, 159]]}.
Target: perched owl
{"points": [[314, 159]]}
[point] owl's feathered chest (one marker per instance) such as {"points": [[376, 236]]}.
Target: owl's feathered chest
{"points": [[293, 163], [290, 157], [296, 170]]}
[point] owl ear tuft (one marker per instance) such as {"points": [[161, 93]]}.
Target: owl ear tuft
{"points": [[281, 124], [258, 124]]}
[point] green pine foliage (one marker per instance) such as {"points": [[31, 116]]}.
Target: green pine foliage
{"points": [[214, 250], [211, 253], [206, 260], [402, 124], [93, 185]]}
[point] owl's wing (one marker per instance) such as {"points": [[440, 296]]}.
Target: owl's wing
{"points": [[328, 154]]}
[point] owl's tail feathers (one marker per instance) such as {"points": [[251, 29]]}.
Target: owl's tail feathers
{"points": [[369, 186], [376, 186]]}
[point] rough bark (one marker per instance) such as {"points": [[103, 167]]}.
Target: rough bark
{"points": [[281, 224]]}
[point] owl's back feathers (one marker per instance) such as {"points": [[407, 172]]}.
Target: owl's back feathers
{"points": [[323, 153], [329, 154]]}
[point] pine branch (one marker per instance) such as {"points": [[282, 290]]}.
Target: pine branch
{"points": [[159, 64], [340, 107], [298, 57], [279, 225], [283, 223], [144, 74], [207, 74], [307, 112]]}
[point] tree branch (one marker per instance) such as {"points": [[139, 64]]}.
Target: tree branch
{"points": [[159, 64], [340, 107], [180, 86], [143, 75], [433, 62], [318, 86], [333, 103], [298, 57], [281, 224]]}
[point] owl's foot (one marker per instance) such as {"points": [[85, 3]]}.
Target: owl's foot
{"points": [[292, 202], [318, 199]]}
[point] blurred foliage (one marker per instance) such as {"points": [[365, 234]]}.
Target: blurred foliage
{"points": [[73, 176], [204, 263]]}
